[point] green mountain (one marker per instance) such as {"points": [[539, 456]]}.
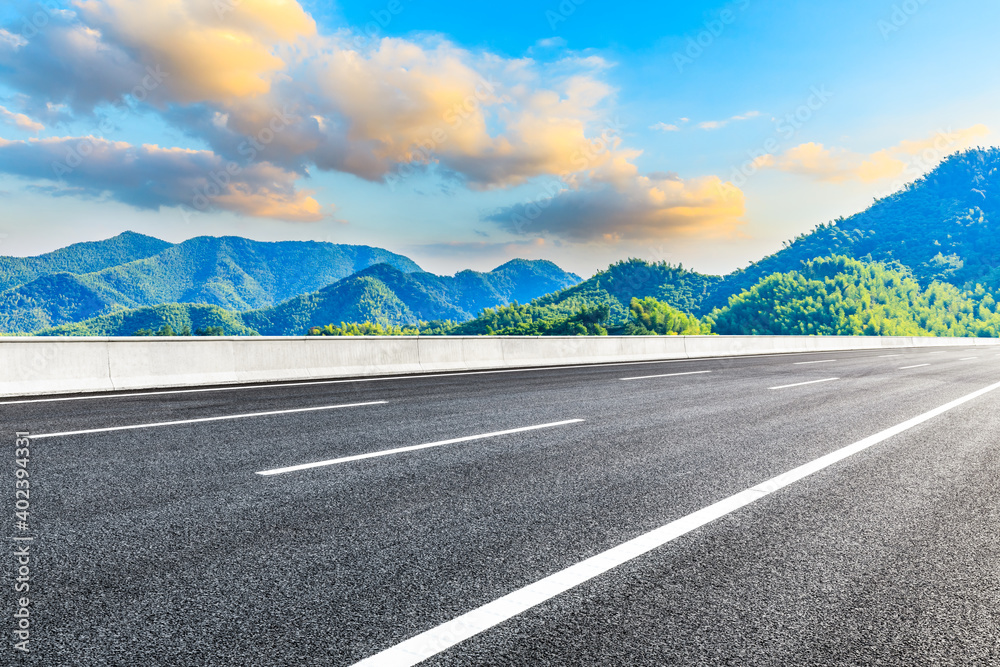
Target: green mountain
{"points": [[943, 227], [231, 272], [614, 287], [178, 316], [79, 258], [380, 293], [237, 273], [52, 300], [385, 295]]}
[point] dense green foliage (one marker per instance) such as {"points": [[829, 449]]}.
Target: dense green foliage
{"points": [[839, 295], [363, 329], [437, 328], [179, 317], [652, 317], [167, 330], [524, 321]]}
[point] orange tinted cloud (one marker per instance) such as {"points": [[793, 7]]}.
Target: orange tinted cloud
{"points": [[212, 51], [20, 121], [838, 165], [616, 205]]}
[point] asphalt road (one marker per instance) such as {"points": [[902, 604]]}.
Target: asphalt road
{"points": [[164, 545]]}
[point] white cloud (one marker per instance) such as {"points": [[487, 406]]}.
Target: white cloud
{"points": [[551, 43], [716, 124]]}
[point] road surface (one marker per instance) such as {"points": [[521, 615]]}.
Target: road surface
{"points": [[810, 509]]}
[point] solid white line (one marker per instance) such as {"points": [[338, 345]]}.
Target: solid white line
{"points": [[667, 375], [822, 361], [412, 448], [937, 352], [799, 384], [436, 640], [967, 358], [883, 356], [205, 419], [903, 368]]}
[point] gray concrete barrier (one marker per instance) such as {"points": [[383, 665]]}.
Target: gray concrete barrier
{"points": [[33, 366]]}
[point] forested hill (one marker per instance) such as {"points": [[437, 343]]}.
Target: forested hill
{"points": [[617, 285], [386, 295], [240, 274], [232, 272], [79, 258], [943, 227]]}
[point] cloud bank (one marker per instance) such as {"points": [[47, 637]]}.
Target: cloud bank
{"points": [[264, 89]]}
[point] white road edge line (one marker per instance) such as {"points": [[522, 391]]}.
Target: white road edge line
{"points": [[904, 368], [412, 448], [417, 376], [665, 375], [799, 384], [205, 419], [821, 361], [436, 640]]}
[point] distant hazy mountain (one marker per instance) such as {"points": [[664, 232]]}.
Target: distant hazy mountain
{"points": [[79, 258], [232, 272], [237, 273], [386, 295], [380, 293], [53, 300]]}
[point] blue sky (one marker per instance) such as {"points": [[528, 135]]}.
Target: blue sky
{"points": [[699, 132]]}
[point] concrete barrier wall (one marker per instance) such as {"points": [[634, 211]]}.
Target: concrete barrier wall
{"points": [[31, 366]]}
